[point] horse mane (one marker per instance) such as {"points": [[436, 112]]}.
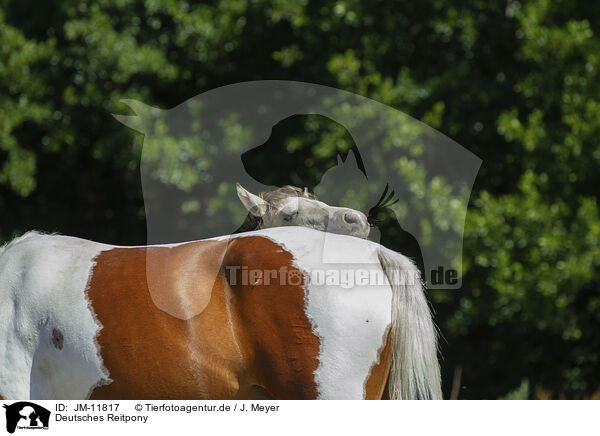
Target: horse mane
{"points": [[275, 196], [415, 371], [274, 199]]}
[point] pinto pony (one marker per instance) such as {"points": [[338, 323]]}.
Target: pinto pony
{"points": [[238, 317]]}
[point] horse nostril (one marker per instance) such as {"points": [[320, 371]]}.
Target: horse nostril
{"points": [[351, 218]]}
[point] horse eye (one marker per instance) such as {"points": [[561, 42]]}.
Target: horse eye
{"points": [[289, 218]]}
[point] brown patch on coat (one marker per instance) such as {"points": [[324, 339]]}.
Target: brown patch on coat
{"points": [[181, 278], [285, 350], [377, 381], [190, 335]]}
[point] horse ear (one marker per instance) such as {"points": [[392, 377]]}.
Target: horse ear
{"points": [[253, 203]]}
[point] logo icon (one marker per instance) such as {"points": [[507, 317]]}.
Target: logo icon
{"points": [[26, 415], [412, 182]]}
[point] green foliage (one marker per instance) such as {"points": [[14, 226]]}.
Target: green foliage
{"points": [[520, 393], [517, 84], [20, 90]]}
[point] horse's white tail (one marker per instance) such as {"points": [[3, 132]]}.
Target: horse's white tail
{"points": [[415, 371]]}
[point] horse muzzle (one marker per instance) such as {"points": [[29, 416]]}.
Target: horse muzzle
{"points": [[349, 222]]}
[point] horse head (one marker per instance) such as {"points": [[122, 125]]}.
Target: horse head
{"points": [[292, 206]]}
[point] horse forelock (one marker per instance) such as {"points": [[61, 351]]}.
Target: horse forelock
{"points": [[277, 197]]}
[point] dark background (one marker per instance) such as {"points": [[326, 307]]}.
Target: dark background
{"points": [[515, 83]]}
